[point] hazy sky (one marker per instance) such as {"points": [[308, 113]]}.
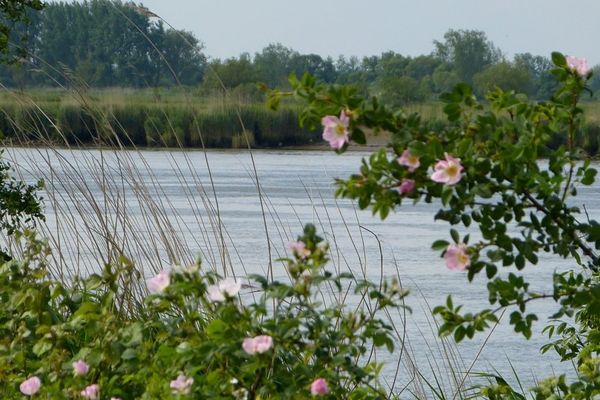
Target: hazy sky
{"points": [[353, 27]]}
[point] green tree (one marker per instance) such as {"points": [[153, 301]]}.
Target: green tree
{"points": [[540, 69], [274, 64], [182, 52], [106, 43], [468, 51], [230, 73], [506, 76]]}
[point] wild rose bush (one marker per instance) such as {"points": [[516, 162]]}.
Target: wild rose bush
{"points": [[484, 171], [195, 335]]}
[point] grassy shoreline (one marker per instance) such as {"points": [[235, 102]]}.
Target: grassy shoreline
{"points": [[186, 118]]}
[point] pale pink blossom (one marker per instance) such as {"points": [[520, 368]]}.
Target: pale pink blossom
{"points": [[227, 287], [406, 186], [159, 283], [80, 367], [258, 344], [182, 385], [409, 160], [319, 387], [299, 249], [579, 65], [115, 398], [31, 386], [456, 257], [336, 130], [447, 171], [91, 392]]}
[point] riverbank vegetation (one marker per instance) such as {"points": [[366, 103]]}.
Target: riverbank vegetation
{"points": [[62, 81], [190, 331]]}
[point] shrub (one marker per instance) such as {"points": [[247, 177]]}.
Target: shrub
{"points": [[196, 334]]}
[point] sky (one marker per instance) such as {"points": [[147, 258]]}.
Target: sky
{"points": [[352, 27]]}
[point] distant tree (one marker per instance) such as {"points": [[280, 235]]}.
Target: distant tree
{"points": [[468, 51], [393, 84], [444, 78], [422, 66], [349, 71], [106, 43], [230, 73], [400, 90], [182, 51], [322, 69], [544, 83], [505, 75], [274, 64]]}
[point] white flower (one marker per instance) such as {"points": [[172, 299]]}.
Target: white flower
{"points": [[227, 287]]}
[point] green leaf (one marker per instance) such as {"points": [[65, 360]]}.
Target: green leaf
{"points": [[589, 176], [455, 235], [129, 354], [41, 347], [358, 136], [559, 59], [440, 245], [216, 329]]}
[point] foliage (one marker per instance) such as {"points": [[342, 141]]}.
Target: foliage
{"points": [[212, 122], [510, 206], [13, 12], [194, 325], [506, 76], [104, 43], [111, 43], [19, 204], [468, 51]]}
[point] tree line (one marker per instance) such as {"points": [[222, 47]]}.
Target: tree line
{"points": [[102, 43], [105, 43]]}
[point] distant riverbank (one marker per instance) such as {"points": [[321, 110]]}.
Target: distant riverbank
{"points": [[161, 118]]}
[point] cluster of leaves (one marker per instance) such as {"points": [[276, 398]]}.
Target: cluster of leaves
{"points": [[512, 201], [134, 349], [20, 205], [13, 12]]}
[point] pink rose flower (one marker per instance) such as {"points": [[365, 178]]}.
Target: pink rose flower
{"points": [[456, 257], [447, 171], [258, 344], [159, 283], [80, 367], [182, 385], [228, 286], [299, 249], [319, 387], [31, 386], [91, 392], [115, 398], [406, 186], [579, 65], [408, 160], [336, 130]]}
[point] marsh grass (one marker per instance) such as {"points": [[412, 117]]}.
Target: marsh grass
{"points": [[145, 119]]}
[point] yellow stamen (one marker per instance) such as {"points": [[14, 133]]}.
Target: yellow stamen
{"points": [[452, 170]]}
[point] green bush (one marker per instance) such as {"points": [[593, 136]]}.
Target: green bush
{"points": [[195, 334]]}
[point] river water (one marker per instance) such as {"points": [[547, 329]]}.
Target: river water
{"points": [[143, 197]]}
